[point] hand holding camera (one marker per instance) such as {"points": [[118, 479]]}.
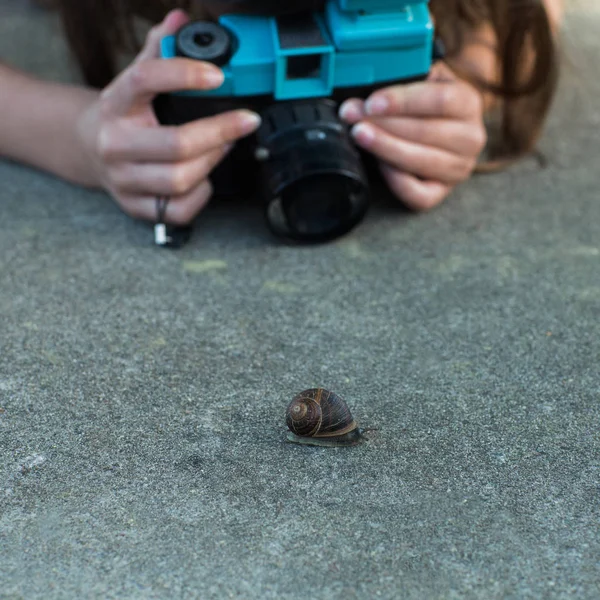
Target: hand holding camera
{"points": [[135, 158], [427, 135]]}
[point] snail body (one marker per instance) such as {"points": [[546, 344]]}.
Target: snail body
{"points": [[319, 417]]}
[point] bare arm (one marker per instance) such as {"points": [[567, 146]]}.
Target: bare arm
{"points": [[39, 125], [113, 140]]}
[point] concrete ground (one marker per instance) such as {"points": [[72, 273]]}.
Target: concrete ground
{"points": [[142, 392]]}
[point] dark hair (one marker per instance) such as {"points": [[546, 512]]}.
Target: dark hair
{"points": [[528, 65], [526, 49]]}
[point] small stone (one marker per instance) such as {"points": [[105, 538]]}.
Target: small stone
{"points": [[32, 462]]}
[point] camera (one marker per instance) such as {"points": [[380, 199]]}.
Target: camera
{"points": [[295, 70]]}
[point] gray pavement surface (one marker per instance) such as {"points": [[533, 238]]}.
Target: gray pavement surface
{"points": [[142, 392]]}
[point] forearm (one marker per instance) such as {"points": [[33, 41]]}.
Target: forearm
{"points": [[39, 125]]}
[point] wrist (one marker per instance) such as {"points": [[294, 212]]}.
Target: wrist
{"points": [[84, 169], [77, 164]]}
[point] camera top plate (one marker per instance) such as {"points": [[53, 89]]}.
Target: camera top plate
{"points": [[313, 55]]}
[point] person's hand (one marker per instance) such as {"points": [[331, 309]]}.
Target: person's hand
{"points": [[135, 158], [427, 135]]}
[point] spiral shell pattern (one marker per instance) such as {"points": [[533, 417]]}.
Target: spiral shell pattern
{"points": [[319, 413]]}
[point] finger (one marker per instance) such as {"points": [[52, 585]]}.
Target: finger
{"points": [[451, 100], [165, 179], [180, 210], [352, 110], [466, 139], [413, 192], [172, 22], [143, 80], [423, 161], [122, 142]]}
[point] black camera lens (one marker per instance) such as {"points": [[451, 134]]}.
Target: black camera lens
{"points": [[317, 204], [317, 207], [313, 175]]}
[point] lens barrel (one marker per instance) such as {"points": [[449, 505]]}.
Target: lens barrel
{"points": [[313, 177]]}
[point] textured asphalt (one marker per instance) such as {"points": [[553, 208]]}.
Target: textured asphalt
{"points": [[142, 392]]}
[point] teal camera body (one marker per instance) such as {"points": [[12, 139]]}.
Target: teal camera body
{"points": [[295, 70]]}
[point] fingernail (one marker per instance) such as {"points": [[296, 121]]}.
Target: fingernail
{"points": [[377, 105], [214, 78], [250, 121], [173, 17], [350, 111], [364, 134]]}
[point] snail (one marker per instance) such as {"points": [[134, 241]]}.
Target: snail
{"points": [[321, 418]]}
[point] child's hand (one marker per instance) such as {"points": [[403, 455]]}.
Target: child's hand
{"points": [[135, 158], [427, 135]]}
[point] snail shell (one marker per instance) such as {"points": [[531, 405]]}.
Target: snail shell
{"points": [[321, 418]]}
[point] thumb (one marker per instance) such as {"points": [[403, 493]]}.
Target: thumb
{"points": [[172, 22]]}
